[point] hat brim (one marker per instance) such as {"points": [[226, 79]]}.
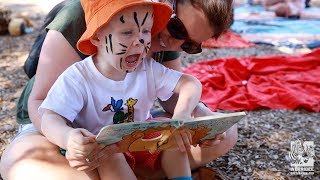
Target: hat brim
{"points": [[161, 12]]}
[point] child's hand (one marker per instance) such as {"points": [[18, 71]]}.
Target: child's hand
{"points": [[80, 142], [181, 116], [182, 139]]}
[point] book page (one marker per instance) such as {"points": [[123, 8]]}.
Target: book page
{"points": [[114, 133], [155, 135], [207, 127]]}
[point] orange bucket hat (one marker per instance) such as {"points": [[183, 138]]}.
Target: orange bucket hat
{"points": [[99, 12]]}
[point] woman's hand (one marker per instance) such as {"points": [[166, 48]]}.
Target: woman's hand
{"points": [[92, 161], [213, 142], [203, 110], [83, 152]]}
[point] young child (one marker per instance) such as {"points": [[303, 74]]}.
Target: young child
{"points": [[118, 84]]}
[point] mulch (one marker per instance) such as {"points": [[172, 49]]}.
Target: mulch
{"points": [[262, 150]]}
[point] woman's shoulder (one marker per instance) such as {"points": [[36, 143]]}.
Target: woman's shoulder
{"points": [[71, 13], [70, 21]]}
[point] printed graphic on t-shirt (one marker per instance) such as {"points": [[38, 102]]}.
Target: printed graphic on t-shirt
{"points": [[119, 115]]}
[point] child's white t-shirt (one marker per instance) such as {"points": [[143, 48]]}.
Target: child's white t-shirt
{"points": [[89, 100]]}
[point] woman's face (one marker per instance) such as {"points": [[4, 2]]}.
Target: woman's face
{"points": [[194, 21]]}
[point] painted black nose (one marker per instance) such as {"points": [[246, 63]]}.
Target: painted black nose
{"points": [[141, 40]]}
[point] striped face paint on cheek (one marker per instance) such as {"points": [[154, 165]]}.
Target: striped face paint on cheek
{"points": [[121, 19], [147, 47], [109, 45], [109, 41], [123, 51]]}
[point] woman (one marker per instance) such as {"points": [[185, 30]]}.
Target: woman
{"points": [[32, 155]]}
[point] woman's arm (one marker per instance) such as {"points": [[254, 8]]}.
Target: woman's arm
{"points": [[56, 56]]}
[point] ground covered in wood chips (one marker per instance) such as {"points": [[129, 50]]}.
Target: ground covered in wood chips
{"points": [[264, 135]]}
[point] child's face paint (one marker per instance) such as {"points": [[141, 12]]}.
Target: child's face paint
{"points": [[126, 39]]}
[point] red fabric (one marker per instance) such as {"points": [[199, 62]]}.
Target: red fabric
{"points": [[229, 39], [275, 82], [144, 159]]}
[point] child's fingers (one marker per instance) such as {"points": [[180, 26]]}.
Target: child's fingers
{"points": [[83, 144], [189, 137], [179, 142], [87, 133], [186, 140], [81, 147], [89, 137], [82, 150], [83, 137]]}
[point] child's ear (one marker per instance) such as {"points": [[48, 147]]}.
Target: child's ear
{"points": [[95, 40]]}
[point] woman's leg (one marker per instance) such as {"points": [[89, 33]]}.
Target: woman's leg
{"points": [[116, 167], [32, 156], [175, 164], [201, 156]]}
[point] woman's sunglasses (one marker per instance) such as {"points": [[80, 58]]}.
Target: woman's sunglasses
{"points": [[178, 31]]}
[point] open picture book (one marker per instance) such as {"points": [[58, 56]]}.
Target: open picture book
{"points": [[155, 135]]}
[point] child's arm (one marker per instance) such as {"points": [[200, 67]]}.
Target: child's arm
{"points": [[78, 142], [189, 89]]}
